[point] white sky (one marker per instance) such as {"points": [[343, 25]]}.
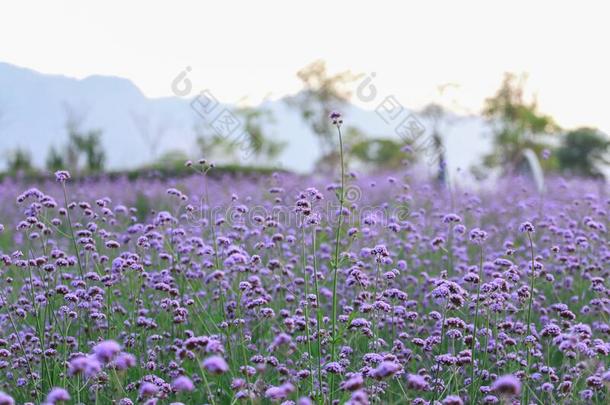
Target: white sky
{"points": [[254, 48]]}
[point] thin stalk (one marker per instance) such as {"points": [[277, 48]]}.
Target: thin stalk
{"points": [[74, 244], [473, 392], [336, 261], [304, 261], [217, 259], [318, 302], [450, 251], [21, 345], [529, 314], [374, 312], [436, 364], [207, 385]]}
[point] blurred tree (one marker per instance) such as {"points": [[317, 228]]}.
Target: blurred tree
{"points": [[89, 144], [83, 145], [19, 161], [260, 145], [322, 93], [212, 145], [373, 153], [172, 160], [583, 152], [55, 160], [379, 153], [517, 125], [250, 142], [435, 114], [74, 122], [152, 133]]}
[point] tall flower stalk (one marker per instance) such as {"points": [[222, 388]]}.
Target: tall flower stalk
{"points": [[62, 177], [337, 121], [473, 392], [477, 236], [318, 308], [205, 168], [309, 350], [528, 228]]}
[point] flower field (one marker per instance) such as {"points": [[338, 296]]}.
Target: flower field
{"points": [[295, 290]]}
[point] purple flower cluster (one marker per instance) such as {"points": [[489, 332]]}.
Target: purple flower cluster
{"points": [[214, 290]]}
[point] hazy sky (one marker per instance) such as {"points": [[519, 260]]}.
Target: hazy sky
{"points": [[254, 48]]}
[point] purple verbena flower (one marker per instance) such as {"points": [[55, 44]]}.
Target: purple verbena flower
{"points": [[106, 351], [279, 393], [62, 176], [216, 365], [507, 385], [57, 395], [6, 399], [182, 384], [336, 118]]}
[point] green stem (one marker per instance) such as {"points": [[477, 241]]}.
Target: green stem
{"points": [[473, 392], [374, 312], [304, 259], [336, 262], [318, 311], [80, 266], [529, 315]]}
